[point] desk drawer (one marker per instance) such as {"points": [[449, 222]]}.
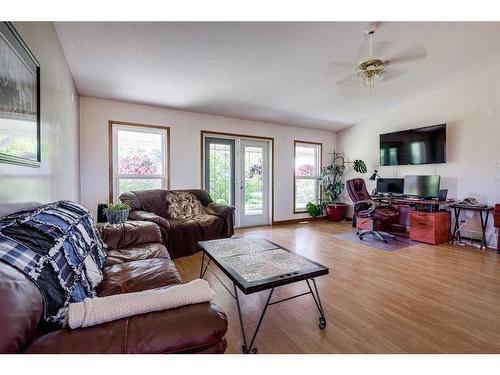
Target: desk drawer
{"points": [[422, 219], [430, 227]]}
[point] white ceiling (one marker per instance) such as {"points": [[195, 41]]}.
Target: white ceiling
{"points": [[279, 72]]}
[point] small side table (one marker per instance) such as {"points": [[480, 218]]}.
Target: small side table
{"points": [[457, 208]]}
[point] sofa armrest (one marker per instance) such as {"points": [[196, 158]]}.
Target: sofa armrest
{"points": [[132, 233], [151, 217], [225, 212], [187, 329]]}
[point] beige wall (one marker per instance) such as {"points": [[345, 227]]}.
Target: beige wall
{"points": [[471, 108], [58, 176], [185, 147]]}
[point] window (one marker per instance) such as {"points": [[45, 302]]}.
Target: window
{"points": [[307, 168], [139, 158]]}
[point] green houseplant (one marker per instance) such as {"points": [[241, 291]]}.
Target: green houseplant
{"points": [[315, 209], [117, 213], [331, 179]]}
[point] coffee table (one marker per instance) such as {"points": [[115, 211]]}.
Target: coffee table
{"points": [[254, 264]]}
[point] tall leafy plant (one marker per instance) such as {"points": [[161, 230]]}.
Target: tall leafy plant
{"points": [[331, 176]]}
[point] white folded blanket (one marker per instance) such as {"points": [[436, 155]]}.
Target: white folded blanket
{"points": [[93, 311]]}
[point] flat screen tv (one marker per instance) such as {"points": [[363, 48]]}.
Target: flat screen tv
{"points": [[415, 146]]}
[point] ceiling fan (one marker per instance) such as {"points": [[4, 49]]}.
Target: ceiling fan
{"points": [[375, 68]]}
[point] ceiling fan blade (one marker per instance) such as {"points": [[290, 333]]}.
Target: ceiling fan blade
{"points": [[345, 80], [391, 74], [415, 53]]}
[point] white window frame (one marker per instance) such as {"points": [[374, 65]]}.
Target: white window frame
{"points": [[140, 128], [318, 147]]}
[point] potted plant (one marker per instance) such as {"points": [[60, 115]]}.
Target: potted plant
{"points": [[333, 185], [315, 209], [117, 213]]}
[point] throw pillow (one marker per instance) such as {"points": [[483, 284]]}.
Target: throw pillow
{"points": [[184, 205]]}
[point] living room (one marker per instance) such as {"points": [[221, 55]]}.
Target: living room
{"points": [[288, 185]]}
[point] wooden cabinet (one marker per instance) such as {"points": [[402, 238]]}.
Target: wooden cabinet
{"points": [[430, 227]]}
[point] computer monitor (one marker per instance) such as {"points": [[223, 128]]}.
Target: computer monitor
{"points": [[422, 186], [390, 185]]}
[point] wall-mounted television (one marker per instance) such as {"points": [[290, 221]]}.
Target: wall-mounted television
{"points": [[415, 146]]}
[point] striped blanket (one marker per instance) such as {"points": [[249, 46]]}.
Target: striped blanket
{"points": [[57, 246]]}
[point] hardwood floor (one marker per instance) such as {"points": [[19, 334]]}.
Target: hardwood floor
{"points": [[421, 299]]}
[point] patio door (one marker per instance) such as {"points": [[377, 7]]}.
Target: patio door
{"points": [[254, 182], [237, 172]]}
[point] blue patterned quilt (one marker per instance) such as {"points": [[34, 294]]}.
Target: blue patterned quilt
{"points": [[58, 247]]}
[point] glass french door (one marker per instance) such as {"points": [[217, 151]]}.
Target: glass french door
{"points": [[220, 169], [254, 183], [237, 173]]}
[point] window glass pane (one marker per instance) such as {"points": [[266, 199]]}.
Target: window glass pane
{"points": [[139, 153], [253, 180], [220, 188], [131, 184], [305, 161], [305, 191]]}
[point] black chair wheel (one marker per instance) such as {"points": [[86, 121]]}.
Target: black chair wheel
{"points": [[322, 323], [254, 350], [385, 241], [361, 238], [357, 233]]}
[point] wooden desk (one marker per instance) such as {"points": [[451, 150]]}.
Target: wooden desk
{"points": [[423, 218], [457, 208], [419, 204]]}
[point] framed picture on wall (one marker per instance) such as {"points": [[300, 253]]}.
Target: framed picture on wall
{"points": [[19, 100]]}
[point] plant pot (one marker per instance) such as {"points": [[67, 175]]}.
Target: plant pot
{"points": [[117, 216], [336, 211]]}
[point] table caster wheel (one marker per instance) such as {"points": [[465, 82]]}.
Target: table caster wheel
{"points": [[254, 350], [322, 323]]}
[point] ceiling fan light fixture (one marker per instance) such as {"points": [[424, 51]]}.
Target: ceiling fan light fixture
{"points": [[371, 69]]}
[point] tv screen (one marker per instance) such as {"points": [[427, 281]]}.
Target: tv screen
{"points": [[415, 146], [422, 186]]}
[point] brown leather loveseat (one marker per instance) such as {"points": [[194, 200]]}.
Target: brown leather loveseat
{"points": [[136, 261], [181, 236]]}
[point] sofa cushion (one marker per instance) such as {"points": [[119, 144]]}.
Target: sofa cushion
{"points": [[132, 233], [184, 235], [192, 328], [137, 276], [130, 254]]}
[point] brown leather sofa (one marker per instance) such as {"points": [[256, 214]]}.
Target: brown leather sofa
{"points": [[136, 261], [180, 236]]}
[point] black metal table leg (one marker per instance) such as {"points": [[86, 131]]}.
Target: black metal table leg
{"points": [[203, 270], [317, 301], [202, 262], [484, 223], [246, 349], [456, 226]]}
